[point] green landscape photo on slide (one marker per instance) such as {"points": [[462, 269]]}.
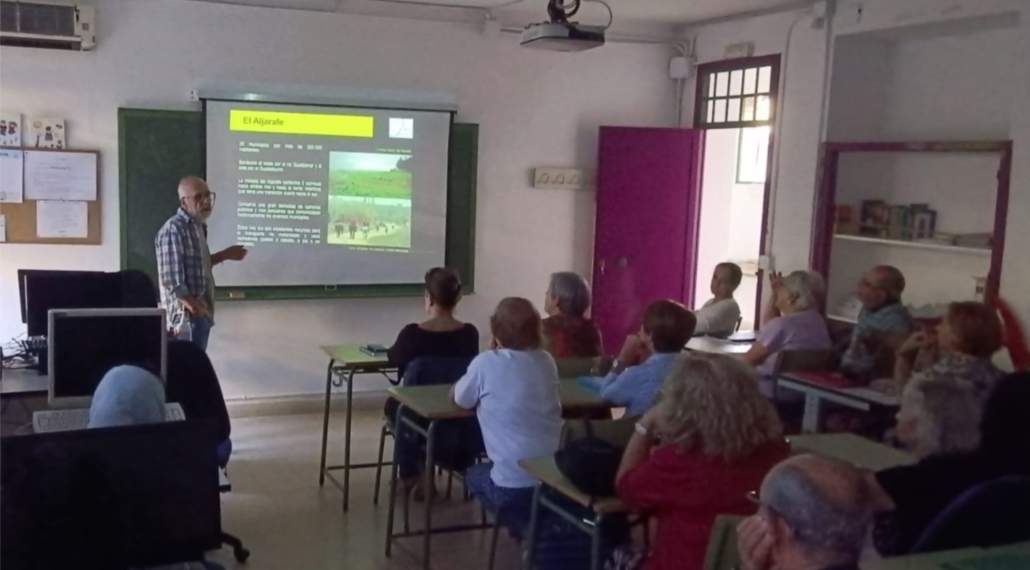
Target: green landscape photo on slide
{"points": [[369, 199]]}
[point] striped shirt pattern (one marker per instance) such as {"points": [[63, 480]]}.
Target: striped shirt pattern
{"points": [[183, 262]]}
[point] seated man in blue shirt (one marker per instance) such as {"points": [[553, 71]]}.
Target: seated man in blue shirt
{"points": [[883, 325], [646, 357]]}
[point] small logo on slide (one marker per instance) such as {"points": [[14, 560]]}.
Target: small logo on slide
{"points": [[402, 128]]}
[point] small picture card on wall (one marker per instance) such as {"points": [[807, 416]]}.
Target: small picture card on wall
{"points": [[10, 129], [46, 132]]}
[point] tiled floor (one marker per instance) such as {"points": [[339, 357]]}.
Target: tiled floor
{"points": [[287, 521]]}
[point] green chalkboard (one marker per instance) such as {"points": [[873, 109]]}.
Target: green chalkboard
{"points": [[157, 148]]}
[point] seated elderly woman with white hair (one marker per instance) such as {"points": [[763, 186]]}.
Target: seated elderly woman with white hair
{"points": [[800, 326], [939, 416], [568, 333]]}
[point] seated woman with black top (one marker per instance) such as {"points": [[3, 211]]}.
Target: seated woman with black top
{"points": [[441, 334]]}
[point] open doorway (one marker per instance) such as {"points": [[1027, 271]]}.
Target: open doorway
{"points": [[735, 104]]}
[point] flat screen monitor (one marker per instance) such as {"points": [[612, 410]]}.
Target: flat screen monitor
{"points": [[109, 498], [83, 344], [47, 290], [27, 274]]}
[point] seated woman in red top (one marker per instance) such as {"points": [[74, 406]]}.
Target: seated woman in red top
{"points": [[709, 440], [567, 332]]}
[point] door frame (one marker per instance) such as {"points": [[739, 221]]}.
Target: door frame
{"points": [[772, 60]]}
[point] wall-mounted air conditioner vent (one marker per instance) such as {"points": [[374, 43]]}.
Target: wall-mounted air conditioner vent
{"points": [[47, 24]]}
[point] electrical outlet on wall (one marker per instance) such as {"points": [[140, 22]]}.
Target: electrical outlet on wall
{"points": [[562, 178]]}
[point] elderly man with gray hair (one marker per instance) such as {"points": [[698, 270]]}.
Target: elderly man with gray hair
{"points": [[814, 514], [883, 325], [184, 263], [568, 333]]}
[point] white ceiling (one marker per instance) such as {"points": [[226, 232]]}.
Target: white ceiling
{"points": [[668, 12]]}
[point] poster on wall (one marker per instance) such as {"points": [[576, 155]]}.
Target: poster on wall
{"points": [[10, 129], [46, 132]]}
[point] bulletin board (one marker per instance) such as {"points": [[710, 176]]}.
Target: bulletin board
{"points": [[21, 217]]}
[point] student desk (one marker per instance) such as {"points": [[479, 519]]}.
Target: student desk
{"points": [[546, 471], [345, 361], [718, 345], [434, 403], [816, 390], [851, 448]]}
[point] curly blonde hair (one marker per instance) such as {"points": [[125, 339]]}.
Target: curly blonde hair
{"points": [[711, 402]]}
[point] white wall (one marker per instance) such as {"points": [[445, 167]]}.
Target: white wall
{"points": [[534, 109]]}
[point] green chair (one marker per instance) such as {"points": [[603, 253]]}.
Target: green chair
{"points": [[722, 544]]}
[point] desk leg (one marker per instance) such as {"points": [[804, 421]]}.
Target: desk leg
{"points": [[325, 420], [346, 443], [430, 476], [810, 421], [534, 515], [393, 482], [595, 544]]}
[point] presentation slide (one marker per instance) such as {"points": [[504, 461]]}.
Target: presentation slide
{"points": [[326, 195]]}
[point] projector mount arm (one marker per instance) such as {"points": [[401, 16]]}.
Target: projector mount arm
{"points": [[560, 11]]}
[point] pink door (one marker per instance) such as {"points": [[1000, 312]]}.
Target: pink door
{"points": [[646, 229]]}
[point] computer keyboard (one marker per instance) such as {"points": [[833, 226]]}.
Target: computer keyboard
{"points": [[47, 421]]}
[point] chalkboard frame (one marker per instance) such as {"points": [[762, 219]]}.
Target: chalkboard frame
{"points": [[138, 192]]}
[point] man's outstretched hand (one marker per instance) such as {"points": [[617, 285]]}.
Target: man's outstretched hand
{"points": [[231, 253]]}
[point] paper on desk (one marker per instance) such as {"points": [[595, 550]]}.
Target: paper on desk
{"points": [[60, 175], [3, 228], [11, 179], [61, 219]]}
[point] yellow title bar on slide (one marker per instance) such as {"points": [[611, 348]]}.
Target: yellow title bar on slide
{"points": [[361, 126]]}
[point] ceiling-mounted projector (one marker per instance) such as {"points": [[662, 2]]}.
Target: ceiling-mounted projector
{"points": [[559, 34]]}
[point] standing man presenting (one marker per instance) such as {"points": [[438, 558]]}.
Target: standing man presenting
{"points": [[184, 263]]}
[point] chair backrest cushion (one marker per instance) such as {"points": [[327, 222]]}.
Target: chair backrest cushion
{"points": [[989, 514], [193, 383]]}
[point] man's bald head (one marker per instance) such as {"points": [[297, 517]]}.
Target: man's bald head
{"points": [[191, 185], [824, 502], [195, 197]]}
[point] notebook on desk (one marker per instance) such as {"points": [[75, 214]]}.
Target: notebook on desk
{"points": [[374, 349]]}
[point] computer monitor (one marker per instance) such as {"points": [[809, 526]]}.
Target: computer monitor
{"points": [[83, 344], [27, 274], [109, 498], [45, 290]]}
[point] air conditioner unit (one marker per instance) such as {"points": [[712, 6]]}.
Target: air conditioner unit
{"points": [[53, 24]]}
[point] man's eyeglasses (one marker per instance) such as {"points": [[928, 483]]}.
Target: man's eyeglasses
{"points": [[201, 198]]}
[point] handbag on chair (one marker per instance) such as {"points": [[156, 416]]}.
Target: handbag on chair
{"points": [[590, 463]]}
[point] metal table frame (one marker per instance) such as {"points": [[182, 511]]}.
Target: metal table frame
{"points": [[345, 375]]}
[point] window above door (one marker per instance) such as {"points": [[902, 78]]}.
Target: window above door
{"points": [[737, 93]]}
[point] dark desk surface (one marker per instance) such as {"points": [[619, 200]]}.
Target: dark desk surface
{"points": [[23, 382], [545, 470]]}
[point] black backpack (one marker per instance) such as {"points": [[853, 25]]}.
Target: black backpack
{"points": [[590, 463]]}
